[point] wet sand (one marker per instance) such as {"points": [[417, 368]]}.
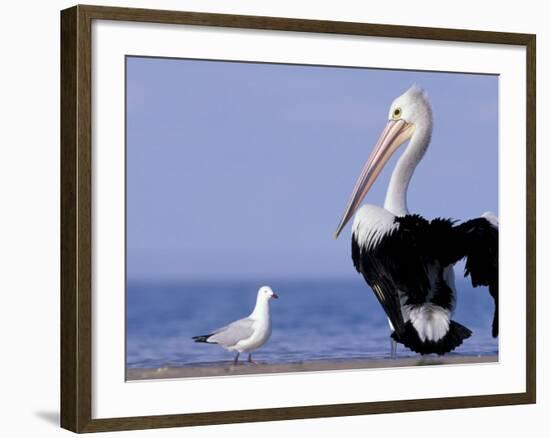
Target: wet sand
{"points": [[229, 369]]}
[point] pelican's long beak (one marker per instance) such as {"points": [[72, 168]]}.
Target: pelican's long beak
{"points": [[394, 135]]}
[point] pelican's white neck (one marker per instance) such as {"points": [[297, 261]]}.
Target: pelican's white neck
{"points": [[396, 196], [261, 310]]}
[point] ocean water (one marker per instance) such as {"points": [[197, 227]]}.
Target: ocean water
{"points": [[312, 320]]}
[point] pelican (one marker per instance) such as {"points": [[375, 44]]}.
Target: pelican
{"points": [[408, 260]]}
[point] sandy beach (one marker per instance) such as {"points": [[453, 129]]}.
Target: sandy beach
{"points": [[229, 369]]}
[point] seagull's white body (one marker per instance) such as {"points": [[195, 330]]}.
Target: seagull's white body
{"points": [[261, 333], [247, 334]]}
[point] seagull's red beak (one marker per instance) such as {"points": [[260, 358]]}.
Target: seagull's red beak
{"points": [[275, 296]]}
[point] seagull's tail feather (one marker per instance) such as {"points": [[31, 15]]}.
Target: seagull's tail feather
{"points": [[452, 339], [203, 338]]}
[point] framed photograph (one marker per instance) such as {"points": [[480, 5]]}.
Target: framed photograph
{"points": [[329, 218]]}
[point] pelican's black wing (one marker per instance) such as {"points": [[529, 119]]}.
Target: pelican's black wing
{"points": [[477, 240], [404, 260], [412, 256]]}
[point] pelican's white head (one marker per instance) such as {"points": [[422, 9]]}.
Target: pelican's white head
{"points": [[410, 118], [413, 107], [265, 293]]}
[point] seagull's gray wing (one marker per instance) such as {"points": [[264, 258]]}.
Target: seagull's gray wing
{"points": [[233, 333]]}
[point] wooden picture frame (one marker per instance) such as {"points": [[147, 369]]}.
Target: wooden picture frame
{"points": [[76, 217]]}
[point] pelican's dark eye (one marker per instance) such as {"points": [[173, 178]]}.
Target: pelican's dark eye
{"points": [[396, 113]]}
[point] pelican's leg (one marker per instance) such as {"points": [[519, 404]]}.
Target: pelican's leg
{"points": [[393, 342], [250, 359], [393, 348], [236, 361]]}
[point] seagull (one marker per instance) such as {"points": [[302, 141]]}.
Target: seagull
{"points": [[247, 334]]}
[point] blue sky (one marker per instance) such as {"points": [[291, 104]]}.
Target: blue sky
{"points": [[244, 169]]}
